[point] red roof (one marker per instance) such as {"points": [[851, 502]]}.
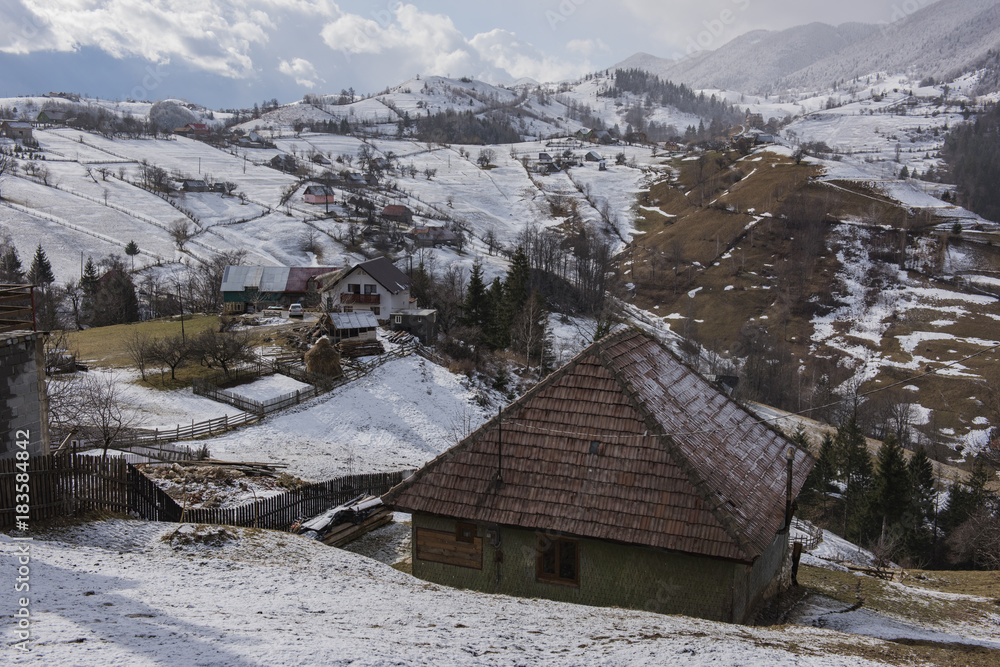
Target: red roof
{"points": [[396, 211], [298, 277]]}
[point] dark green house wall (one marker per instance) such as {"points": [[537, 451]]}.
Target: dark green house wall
{"points": [[614, 575]]}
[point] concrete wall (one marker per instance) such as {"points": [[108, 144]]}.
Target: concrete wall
{"points": [[611, 574], [23, 404]]}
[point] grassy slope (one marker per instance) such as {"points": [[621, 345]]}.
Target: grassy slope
{"points": [[739, 273]]}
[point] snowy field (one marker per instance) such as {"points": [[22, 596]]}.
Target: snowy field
{"points": [[130, 593], [266, 388], [399, 416]]}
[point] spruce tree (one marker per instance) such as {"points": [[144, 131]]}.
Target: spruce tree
{"points": [[40, 272], [856, 471], [476, 303], [132, 249], [90, 279], [11, 271], [891, 492], [922, 500]]}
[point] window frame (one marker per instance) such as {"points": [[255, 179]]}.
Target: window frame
{"points": [[461, 527], [555, 544]]}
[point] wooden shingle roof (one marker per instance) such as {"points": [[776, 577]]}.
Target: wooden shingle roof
{"points": [[624, 443]]}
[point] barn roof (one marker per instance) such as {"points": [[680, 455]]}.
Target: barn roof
{"points": [[625, 443], [261, 278], [362, 319], [271, 279]]}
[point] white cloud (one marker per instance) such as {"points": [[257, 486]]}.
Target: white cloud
{"points": [[214, 35], [587, 47], [301, 70], [433, 45]]}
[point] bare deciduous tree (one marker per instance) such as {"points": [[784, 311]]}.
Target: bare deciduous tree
{"points": [[139, 346], [180, 232], [170, 353], [102, 410]]}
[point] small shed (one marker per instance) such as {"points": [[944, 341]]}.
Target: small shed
{"points": [[421, 322], [361, 325], [623, 479], [593, 156]]}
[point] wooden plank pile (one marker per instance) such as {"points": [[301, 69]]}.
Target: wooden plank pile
{"points": [[360, 348], [345, 523], [346, 533]]}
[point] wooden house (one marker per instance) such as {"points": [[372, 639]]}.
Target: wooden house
{"points": [[593, 156], [247, 288], [54, 116], [432, 236], [194, 185], [623, 479], [319, 194], [17, 130], [398, 214], [376, 286]]}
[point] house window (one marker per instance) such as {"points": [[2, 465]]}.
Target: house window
{"points": [[376, 310], [397, 319], [558, 561], [465, 532], [348, 309], [371, 289], [354, 288]]}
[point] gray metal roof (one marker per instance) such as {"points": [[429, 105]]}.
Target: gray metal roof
{"points": [[263, 278], [358, 320]]}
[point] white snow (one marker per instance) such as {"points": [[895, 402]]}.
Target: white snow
{"points": [[399, 416], [130, 593]]}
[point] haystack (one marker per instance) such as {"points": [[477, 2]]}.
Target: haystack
{"points": [[324, 359]]}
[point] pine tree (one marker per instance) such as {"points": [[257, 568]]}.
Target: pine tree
{"points": [[891, 492], [40, 272], [132, 249], [11, 271], [922, 500], [965, 498], [476, 302], [518, 282], [856, 471], [89, 280], [497, 323]]}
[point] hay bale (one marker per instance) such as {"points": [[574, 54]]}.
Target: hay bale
{"points": [[324, 359]]}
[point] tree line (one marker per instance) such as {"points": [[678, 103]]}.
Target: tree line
{"points": [[972, 151], [897, 508]]}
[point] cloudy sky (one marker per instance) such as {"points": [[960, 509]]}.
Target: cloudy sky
{"points": [[225, 53]]}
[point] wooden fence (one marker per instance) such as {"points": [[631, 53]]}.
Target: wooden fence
{"points": [[194, 430], [280, 512], [61, 484], [259, 408]]}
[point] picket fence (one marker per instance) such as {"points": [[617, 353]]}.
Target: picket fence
{"points": [[63, 484]]}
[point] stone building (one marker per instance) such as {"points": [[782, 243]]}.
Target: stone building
{"points": [[23, 404]]}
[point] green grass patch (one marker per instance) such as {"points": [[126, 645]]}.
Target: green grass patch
{"points": [[108, 346]]}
